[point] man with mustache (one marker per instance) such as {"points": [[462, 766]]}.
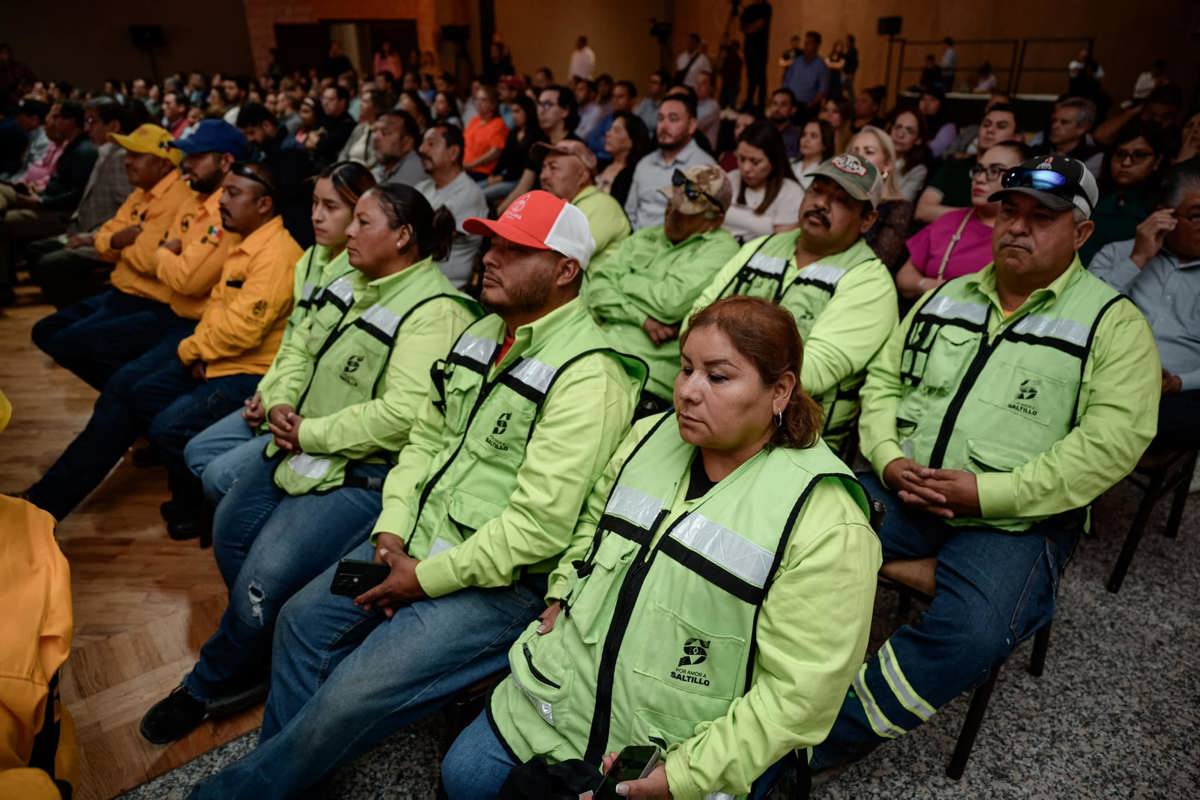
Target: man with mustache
{"points": [[825, 273], [450, 186], [1003, 405], [178, 388]]}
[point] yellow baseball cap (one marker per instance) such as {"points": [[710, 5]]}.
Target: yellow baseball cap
{"points": [[5, 411], [150, 139]]}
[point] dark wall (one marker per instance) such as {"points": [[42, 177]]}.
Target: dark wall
{"points": [[86, 41]]}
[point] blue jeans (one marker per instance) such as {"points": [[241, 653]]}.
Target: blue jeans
{"points": [[343, 679], [96, 337], [217, 454], [994, 589], [477, 764], [268, 545]]}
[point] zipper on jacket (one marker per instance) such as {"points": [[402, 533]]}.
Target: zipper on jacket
{"points": [[534, 671], [942, 443]]}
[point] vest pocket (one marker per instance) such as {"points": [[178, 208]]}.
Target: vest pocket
{"points": [[949, 356], [545, 683], [686, 657], [591, 600], [990, 457], [654, 727], [1034, 395], [470, 513]]}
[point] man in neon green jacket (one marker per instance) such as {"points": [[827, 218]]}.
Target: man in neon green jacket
{"points": [[1005, 403], [526, 410], [641, 290]]}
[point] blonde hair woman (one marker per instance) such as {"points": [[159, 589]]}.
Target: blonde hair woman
{"points": [[887, 236]]}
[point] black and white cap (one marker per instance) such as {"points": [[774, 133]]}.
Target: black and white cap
{"points": [[1057, 182]]}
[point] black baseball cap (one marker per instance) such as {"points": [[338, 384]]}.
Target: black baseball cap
{"points": [[1057, 182]]}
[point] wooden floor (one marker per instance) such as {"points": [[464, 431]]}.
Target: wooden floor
{"points": [[143, 603]]}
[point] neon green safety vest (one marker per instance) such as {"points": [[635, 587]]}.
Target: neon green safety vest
{"points": [[658, 637], [493, 420], [316, 274], [983, 405], [805, 293], [352, 358]]}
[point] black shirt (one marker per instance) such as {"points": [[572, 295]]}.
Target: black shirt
{"points": [[699, 483], [754, 13]]}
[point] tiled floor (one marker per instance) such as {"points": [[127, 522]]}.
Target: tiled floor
{"points": [[1116, 715]]}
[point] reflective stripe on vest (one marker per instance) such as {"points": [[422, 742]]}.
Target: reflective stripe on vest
{"points": [[820, 275], [308, 466], [951, 310], [769, 266], [381, 322], [474, 352], [1066, 334], [730, 551], [307, 294], [340, 293], [530, 378]]}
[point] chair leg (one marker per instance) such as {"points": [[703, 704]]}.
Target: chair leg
{"points": [[1041, 643], [1180, 500], [970, 728], [1136, 529]]}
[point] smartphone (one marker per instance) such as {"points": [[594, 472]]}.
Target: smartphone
{"points": [[352, 578], [633, 763]]}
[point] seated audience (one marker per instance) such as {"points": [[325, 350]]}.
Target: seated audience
{"points": [[766, 196], [568, 173], [292, 170], [781, 112], [1162, 107], [469, 530], [176, 389], [67, 267], [358, 147], [816, 147], [950, 187], [484, 136], [626, 142], [336, 126], [1128, 183], [448, 186], [1069, 133], [412, 103], [395, 140], [38, 210], [557, 117], [677, 150], [30, 117], [708, 472], [523, 133], [1004, 404], [940, 130], [1189, 146], [960, 243], [620, 102], [728, 159], [310, 122], [656, 89], [907, 129], [1157, 271], [97, 336], [641, 290], [175, 107], [590, 112], [893, 213], [827, 276], [335, 194], [315, 486], [708, 110]]}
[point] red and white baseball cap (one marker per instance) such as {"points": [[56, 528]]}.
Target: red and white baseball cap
{"points": [[540, 220]]}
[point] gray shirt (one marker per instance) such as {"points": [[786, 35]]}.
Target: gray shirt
{"points": [[646, 205], [1167, 291], [407, 170], [106, 189], [463, 198]]}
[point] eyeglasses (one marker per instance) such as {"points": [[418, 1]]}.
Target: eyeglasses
{"points": [[1121, 155], [244, 170], [692, 190], [546, 105], [994, 171]]}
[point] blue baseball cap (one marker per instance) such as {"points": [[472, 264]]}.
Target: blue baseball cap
{"points": [[214, 136]]}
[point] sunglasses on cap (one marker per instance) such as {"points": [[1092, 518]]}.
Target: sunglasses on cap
{"points": [[244, 170], [1043, 180], [692, 190]]}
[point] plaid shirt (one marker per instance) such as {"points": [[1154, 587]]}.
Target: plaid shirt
{"points": [[106, 190]]}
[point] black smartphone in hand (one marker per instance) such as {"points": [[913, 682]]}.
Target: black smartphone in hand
{"points": [[352, 578], [633, 763]]}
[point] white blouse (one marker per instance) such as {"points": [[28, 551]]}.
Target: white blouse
{"points": [[745, 224]]}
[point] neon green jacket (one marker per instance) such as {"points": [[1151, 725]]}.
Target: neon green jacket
{"points": [[606, 218], [1116, 413], [648, 276]]}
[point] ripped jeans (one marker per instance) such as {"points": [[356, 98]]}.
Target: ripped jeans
{"points": [[268, 549]]}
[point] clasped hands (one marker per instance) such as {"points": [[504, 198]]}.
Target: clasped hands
{"points": [[283, 422], [946, 493]]}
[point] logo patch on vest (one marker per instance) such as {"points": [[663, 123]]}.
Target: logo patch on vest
{"points": [[498, 430], [352, 365], [1027, 393], [695, 652]]}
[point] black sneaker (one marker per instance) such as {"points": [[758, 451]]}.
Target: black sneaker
{"points": [[191, 527], [239, 699], [170, 510], [173, 717]]}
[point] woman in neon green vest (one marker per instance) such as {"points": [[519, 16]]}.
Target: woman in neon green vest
{"points": [[717, 595], [337, 419], [217, 453]]}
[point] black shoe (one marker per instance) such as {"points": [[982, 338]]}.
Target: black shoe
{"points": [[190, 527], [145, 457], [239, 700], [173, 717], [170, 510]]}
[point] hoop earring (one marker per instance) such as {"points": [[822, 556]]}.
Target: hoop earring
{"points": [[778, 419]]}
